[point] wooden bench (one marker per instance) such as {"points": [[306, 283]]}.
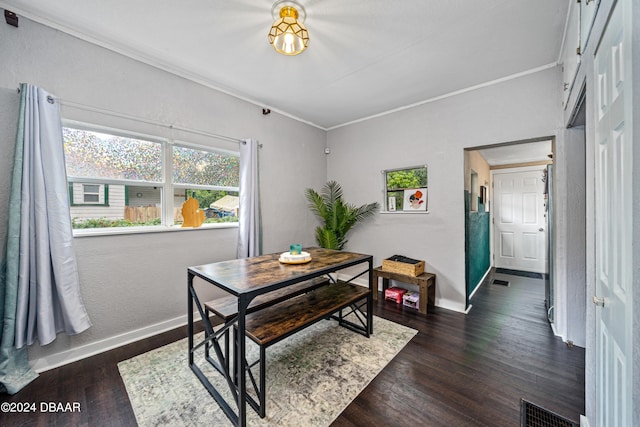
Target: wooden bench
{"points": [[277, 322], [272, 324], [226, 308]]}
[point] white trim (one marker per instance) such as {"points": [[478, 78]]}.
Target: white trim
{"points": [[564, 32], [78, 353], [450, 94], [479, 284], [138, 55], [518, 169], [197, 78], [91, 232]]}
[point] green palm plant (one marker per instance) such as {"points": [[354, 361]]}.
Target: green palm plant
{"points": [[339, 217]]}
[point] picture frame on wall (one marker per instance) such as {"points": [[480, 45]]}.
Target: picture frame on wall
{"points": [[483, 194], [415, 199]]}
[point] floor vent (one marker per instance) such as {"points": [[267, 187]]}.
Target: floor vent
{"points": [[534, 416], [500, 282], [520, 273]]}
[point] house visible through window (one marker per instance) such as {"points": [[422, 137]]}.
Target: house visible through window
{"points": [[119, 180], [91, 193]]}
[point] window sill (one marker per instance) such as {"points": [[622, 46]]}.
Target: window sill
{"points": [[404, 212], [89, 232]]}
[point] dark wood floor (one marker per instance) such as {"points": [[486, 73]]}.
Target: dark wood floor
{"points": [[459, 370]]}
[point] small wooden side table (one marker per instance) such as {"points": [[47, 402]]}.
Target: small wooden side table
{"points": [[426, 282]]}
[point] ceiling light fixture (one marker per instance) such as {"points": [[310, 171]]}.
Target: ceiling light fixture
{"points": [[288, 35]]}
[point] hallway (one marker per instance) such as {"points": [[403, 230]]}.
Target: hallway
{"points": [[473, 370]]}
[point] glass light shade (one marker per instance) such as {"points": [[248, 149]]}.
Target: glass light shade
{"points": [[287, 35]]}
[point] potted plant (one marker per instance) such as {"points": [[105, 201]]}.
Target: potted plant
{"points": [[338, 216]]}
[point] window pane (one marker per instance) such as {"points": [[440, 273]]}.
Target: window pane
{"points": [[407, 178], [91, 188], [199, 167], [91, 198], [97, 155], [406, 189], [218, 206]]}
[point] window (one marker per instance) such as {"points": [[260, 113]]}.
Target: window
{"points": [[406, 189], [83, 194], [91, 193], [120, 180], [211, 177]]}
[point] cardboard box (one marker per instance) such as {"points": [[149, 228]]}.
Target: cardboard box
{"points": [[394, 294], [411, 299], [403, 265]]}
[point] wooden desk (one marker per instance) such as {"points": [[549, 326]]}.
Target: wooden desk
{"points": [[426, 282], [247, 279]]}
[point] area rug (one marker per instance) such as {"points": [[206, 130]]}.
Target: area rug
{"points": [[311, 377]]}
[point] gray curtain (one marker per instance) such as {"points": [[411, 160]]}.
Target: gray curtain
{"points": [[250, 227], [40, 282], [15, 371]]}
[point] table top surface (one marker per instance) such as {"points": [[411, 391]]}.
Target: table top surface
{"points": [[264, 272]]}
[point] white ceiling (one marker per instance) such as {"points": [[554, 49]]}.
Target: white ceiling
{"points": [[365, 57], [517, 153]]}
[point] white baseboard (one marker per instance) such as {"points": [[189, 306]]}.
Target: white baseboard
{"points": [[72, 355], [479, 283]]}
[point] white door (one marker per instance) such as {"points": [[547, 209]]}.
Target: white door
{"points": [[613, 216], [519, 221]]}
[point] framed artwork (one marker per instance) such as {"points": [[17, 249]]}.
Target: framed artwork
{"points": [[415, 199], [403, 183], [483, 194]]}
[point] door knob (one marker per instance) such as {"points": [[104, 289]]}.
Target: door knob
{"points": [[540, 229], [598, 301]]}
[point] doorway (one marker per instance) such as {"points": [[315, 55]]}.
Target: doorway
{"points": [[481, 164], [519, 219]]}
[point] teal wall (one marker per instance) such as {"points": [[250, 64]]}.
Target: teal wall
{"points": [[477, 249]]}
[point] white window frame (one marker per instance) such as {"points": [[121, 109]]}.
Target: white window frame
{"points": [[166, 183]]}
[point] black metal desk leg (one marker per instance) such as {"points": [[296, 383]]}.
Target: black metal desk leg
{"points": [[241, 361], [190, 315], [370, 296]]}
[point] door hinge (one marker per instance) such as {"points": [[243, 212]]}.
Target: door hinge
{"points": [[578, 51], [598, 301]]}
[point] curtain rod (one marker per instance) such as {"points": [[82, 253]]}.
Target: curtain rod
{"points": [[147, 121]]}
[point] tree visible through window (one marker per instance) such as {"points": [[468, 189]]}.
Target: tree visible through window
{"points": [[133, 170], [406, 189]]}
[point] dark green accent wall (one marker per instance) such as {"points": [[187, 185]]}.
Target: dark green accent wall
{"points": [[477, 249]]}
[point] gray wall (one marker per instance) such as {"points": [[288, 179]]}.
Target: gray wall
{"points": [[135, 285], [570, 237], [436, 133]]}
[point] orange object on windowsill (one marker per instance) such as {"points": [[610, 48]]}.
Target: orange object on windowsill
{"points": [[192, 214]]}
